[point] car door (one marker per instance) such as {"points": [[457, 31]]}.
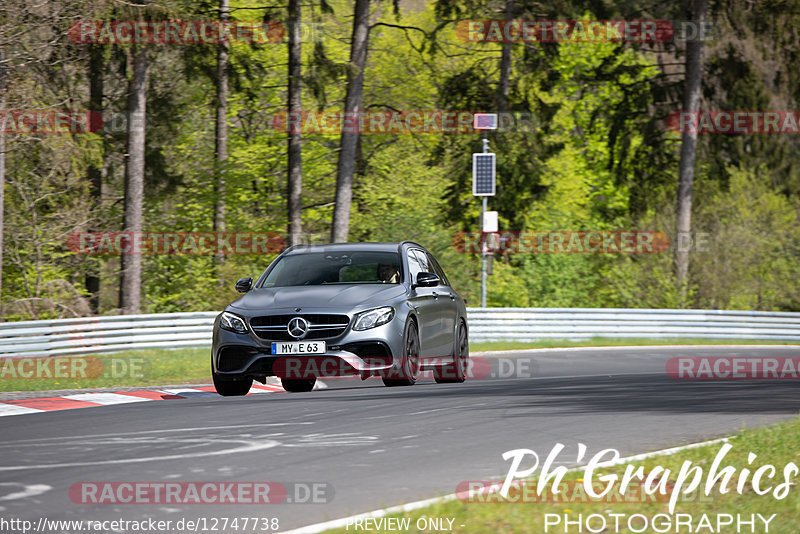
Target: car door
{"points": [[448, 307], [438, 339], [423, 302]]}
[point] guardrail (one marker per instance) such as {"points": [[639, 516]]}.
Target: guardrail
{"points": [[531, 324], [173, 330], [87, 335]]}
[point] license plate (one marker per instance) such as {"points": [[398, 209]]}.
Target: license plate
{"points": [[299, 347]]}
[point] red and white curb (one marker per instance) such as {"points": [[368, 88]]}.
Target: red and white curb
{"points": [[87, 400]]}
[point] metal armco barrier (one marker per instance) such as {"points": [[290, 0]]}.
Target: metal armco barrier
{"points": [[106, 334], [172, 330], [530, 324]]}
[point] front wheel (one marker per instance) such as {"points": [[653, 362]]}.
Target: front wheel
{"points": [[232, 388], [298, 385], [456, 372], [409, 368]]}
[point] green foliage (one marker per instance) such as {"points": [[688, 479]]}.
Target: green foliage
{"points": [[588, 151], [751, 258], [506, 287], [403, 201], [561, 280]]}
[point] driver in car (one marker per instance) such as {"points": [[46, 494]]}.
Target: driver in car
{"points": [[388, 273]]}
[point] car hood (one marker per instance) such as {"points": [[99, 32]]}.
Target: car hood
{"points": [[344, 297]]}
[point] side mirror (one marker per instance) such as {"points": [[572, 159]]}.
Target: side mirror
{"points": [[427, 280], [243, 285]]}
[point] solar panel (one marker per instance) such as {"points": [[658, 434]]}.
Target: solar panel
{"points": [[483, 175]]}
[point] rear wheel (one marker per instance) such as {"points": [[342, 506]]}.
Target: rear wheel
{"points": [[409, 368], [298, 385], [455, 372], [232, 388]]}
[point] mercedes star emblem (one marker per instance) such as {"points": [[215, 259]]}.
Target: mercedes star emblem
{"points": [[298, 328]]}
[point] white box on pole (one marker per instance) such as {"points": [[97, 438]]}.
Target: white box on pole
{"points": [[489, 223]]}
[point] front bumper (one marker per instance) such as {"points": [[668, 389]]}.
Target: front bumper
{"points": [[366, 353]]}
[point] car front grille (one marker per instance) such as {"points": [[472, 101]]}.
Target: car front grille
{"points": [[321, 326]]}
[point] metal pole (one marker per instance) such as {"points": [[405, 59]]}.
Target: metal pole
{"points": [[483, 237], [483, 257]]}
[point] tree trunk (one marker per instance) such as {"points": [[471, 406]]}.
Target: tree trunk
{"points": [[221, 126], [352, 107], [131, 273], [94, 173], [691, 104], [504, 87], [2, 165], [295, 171]]}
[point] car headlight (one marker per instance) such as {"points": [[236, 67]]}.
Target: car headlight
{"points": [[372, 318], [232, 322]]}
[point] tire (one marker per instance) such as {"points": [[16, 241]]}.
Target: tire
{"points": [[410, 364], [232, 388], [298, 385], [456, 372]]}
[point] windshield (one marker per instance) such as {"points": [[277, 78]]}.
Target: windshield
{"points": [[317, 268]]}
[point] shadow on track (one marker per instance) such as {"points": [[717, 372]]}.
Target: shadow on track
{"points": [[646, 393]]}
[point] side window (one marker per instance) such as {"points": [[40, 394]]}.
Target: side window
{"points": [[414, 268], [422, 258], [438, 270]]}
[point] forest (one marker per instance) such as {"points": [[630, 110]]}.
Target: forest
{"points": [[251, 125]]}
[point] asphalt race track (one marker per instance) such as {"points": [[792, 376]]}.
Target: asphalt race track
{"points": [[370, 446]]}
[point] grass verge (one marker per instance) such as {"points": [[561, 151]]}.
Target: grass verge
{"points": [[615, 342], [153, 367], [774, 445], [149, 367]]}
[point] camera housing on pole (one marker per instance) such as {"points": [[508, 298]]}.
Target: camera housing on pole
{"points": [[484, 121]]}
